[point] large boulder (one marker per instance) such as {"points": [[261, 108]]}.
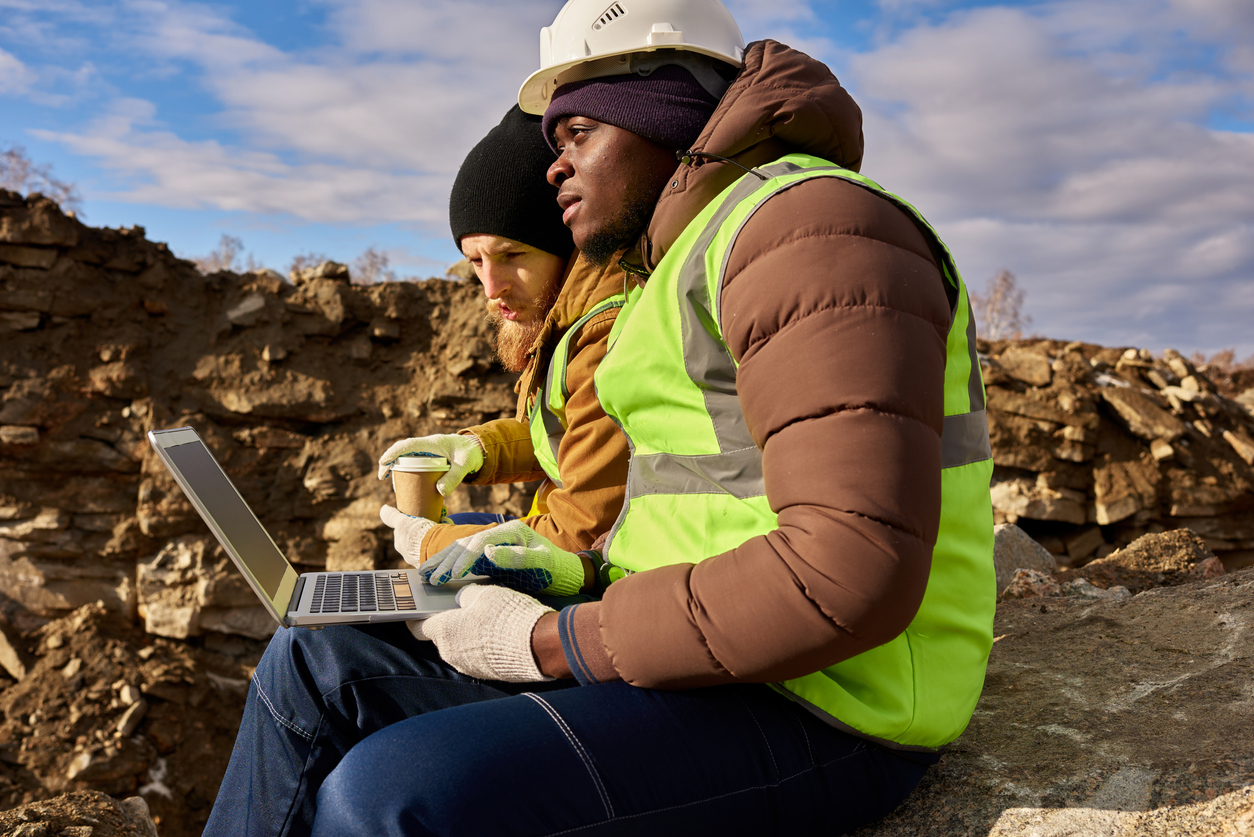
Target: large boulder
{"points": [[1105, 719]]}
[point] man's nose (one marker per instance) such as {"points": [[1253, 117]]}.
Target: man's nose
{"points": [[495, 281], [560, 171]]}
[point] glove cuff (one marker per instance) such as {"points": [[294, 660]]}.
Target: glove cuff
{"points": [[568, 576], [407, 539], [511, 657]]}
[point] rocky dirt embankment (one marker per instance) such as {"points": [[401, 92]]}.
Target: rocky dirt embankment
{"points": [[1095, 447], [1114, 704], [297, 387]]}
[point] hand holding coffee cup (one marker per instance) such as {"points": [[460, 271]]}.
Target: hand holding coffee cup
{"points": [[414, 478], [462, 450]]}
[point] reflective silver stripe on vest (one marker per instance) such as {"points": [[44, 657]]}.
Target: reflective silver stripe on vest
{"points": [[975, 384], [738, 473], [552, 424], [965, 439], [553, 428]]}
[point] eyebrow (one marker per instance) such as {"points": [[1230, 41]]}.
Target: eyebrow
{"points": [[503, 247]]}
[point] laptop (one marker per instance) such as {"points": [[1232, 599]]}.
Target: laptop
{"points": [[294, 599]]}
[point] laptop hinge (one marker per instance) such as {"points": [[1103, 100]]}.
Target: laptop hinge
{"points": [[294, 604]]}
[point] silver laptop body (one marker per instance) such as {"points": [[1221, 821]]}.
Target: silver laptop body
{"points": [[305, 599]]}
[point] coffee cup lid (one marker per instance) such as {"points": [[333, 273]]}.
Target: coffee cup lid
{"points": [[419, 462]]}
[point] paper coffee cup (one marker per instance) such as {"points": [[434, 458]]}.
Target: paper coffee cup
{"points": [[414, 477]]}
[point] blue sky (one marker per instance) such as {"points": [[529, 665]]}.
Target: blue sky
{"points": [[1102, 150]]}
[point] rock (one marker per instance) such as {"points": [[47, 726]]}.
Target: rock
{"points": [[1014, 549], [1125, 718], [1028, 364], [1085, 589], [1241, 444], [1028, 584], [462, 270], [1161, 450], [1122, 488], [121, 379], [19, 320], [39, 221], [1153, 560], [18, 435], [49, 588], [131, 718], [248, 311], [1027, 498], [40, 257], [13, 656], [1141, 415], [1083, 543], [183, 591], [82, 813], [1022, 404], [326, 270]]}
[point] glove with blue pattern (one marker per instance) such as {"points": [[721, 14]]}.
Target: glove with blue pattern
{"points": [[511, 554]]}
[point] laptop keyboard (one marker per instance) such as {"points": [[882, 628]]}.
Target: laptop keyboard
{"points": [[362, 593]]}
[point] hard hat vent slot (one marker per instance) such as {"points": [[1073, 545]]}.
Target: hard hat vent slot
{"points": [[613, 13]]}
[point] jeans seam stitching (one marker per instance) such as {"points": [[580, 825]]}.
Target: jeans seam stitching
{"points": [[579, 750], [762, 733], [812, 768], [280, 720]]}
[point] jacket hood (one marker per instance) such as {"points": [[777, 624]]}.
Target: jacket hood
{"points": [[783, 101]]}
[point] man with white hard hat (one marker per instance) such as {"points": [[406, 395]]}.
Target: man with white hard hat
{"points": [[798, 595]]}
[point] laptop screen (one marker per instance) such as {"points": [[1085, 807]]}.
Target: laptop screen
{"points": [[228, 511]]}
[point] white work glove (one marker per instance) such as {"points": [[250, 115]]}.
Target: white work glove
{"points": [[408, 532], [511, 554], [464, 455], [489, 636]]}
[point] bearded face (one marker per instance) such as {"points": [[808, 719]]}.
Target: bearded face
{"points": [[521, 284], [515, 337]]}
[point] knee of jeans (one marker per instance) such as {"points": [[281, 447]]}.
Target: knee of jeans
{"points": [[411, 777], [299, 654]]}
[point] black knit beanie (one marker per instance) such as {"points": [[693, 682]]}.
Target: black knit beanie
{"points": [[500, 188]]}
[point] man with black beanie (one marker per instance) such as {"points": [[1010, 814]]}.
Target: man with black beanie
{"points": [[542, 297], [505, 218]]}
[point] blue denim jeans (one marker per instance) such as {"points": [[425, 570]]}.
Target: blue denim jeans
{"points": [[365, 731], [479, 517]]}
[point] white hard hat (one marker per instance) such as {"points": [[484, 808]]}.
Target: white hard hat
{"points": [[589, 39]]}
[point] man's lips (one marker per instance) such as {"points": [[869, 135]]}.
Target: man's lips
{"points": [[504, 311], [569, 204]]}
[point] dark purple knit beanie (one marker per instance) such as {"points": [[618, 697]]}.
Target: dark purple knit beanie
{"points": [[667, 107]]}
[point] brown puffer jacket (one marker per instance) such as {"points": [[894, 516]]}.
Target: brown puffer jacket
{"points": [[837, 314], [592, 457]]}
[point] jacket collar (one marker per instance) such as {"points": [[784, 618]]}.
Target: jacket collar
{"points": [[782, 101], [583, 287]]}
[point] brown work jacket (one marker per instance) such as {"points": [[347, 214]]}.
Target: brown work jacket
{"points": [[592, 456], [837, 315]]}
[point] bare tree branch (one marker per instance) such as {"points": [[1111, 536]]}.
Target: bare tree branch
{"points": [[19, 173], [371, 267], [999, 312], [224, 258]]}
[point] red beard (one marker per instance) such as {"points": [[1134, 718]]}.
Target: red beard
{"points": [[514, 338]]}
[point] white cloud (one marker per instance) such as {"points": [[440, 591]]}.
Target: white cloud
{"points": [[1051, 142], [14, 77], [163, 169], [370, 128], [1067, 141]]}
